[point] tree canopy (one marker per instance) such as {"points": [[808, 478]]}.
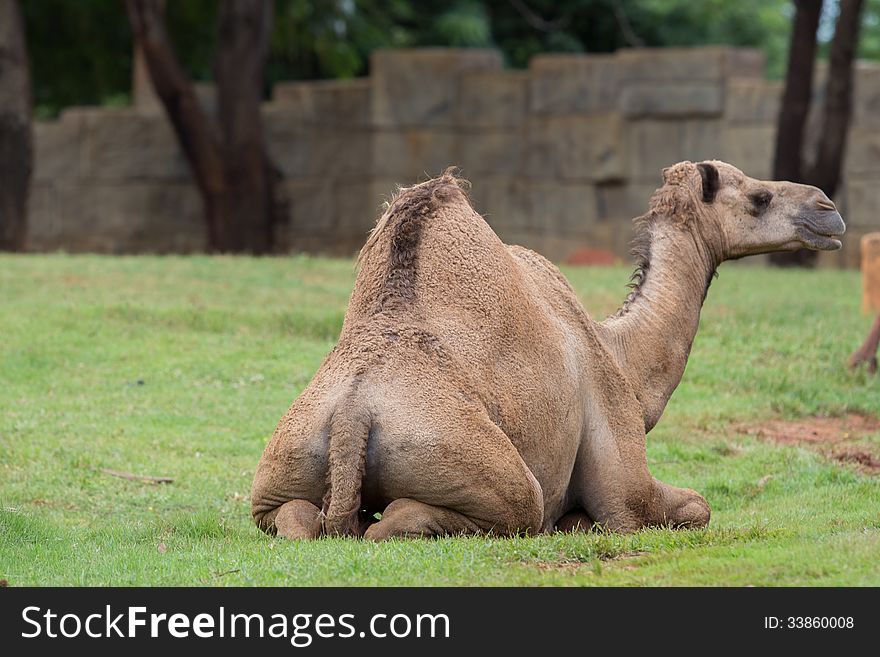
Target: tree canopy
{"points": [[81, 52]]}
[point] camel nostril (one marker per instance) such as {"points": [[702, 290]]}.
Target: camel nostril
{"points": [[825, 204]]}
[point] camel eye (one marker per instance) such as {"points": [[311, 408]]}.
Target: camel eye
{"points": [[760, 200]]}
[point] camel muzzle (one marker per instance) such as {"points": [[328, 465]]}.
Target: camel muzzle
{"points": [[820, 228]]}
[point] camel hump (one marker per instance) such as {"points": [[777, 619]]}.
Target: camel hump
{"points": [[388, 262], [349, 431], [406, 212]]}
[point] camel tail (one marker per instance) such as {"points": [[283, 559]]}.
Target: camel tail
{"points": [[349, 431]]}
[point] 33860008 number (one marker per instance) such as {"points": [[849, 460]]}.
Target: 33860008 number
{"points": [[808, 622]]}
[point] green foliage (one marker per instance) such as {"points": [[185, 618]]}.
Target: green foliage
{"points": [[869, 38], [182, 367], [81, 51]]}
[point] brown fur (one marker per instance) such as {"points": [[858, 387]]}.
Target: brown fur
{"points": [[470, 392]]}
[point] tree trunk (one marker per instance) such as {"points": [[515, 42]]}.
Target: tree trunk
{"points": [[825, 174], [251, 212], [787, 160], [828, 164], [16, 146], [798, 90], [235, 176]]}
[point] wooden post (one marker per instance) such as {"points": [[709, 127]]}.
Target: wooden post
{"points": [[871, 273], [867, 354]]}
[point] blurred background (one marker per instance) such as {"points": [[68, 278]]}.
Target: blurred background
{"points": [[251, 126]]}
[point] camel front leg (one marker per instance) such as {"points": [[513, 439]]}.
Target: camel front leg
{"points": [[575, 521], [617, 490], [867, 354]]}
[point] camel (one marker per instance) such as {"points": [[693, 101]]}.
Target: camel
{"points": [[471, 393], [867, 354]]}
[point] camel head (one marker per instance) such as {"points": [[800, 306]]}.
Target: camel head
{"points": [[739, 216]]}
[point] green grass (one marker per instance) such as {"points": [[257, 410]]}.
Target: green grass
{"points": [[182, 367]]}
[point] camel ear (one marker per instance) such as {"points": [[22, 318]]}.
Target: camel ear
{"points": [[711, 181]]}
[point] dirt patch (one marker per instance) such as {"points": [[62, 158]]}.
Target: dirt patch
{"points": [[584, 257], [841, 438]]}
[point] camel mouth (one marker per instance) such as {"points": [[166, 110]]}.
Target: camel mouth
{"points": [[819, 241], [821, 231]]}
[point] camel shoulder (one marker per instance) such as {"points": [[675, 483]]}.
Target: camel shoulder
{"points": [[538, 265], [552, 285]]}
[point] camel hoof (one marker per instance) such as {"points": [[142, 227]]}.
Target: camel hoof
{"points": [[574, 521], [870, 362], [693, 514]]}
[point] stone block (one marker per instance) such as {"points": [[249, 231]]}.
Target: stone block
{"points": [[566, 210], [866, 94], [565, 83], [311, 206], [652, 146], [58, 149], [613, 236], [414, 154], [689, 64], [559, 248], [383, 189], [329, 217], [671, 99], [123, 145], [701, 139], [750, 148], [521, 238], [130, 217], [621, 202], [752, 101], [421, 87], [333, 102], [356, 211], [493, 99], [303, 150], [491, 152], [136, 217], [745, 63], [862, 203], [46, 216], [862, 152], [504, 202], [577, 147]]}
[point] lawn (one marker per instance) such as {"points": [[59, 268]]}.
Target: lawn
{"points": [[181, 367]]}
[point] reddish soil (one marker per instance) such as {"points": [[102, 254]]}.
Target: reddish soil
{"points": [[583, 257], [839, 438]]}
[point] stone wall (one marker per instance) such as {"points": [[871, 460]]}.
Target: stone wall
{"points": [[561, 156]]}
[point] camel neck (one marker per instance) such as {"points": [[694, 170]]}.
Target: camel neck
{"points": [[652, 334]]}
